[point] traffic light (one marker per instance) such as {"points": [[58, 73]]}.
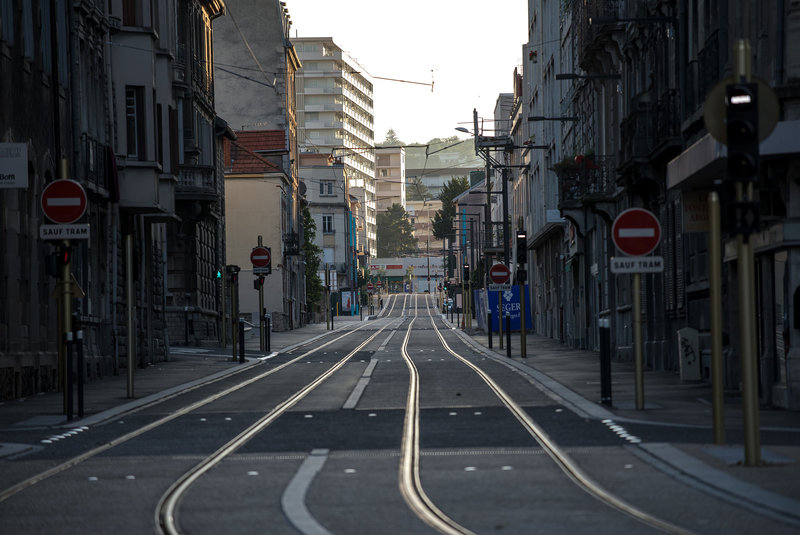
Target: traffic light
{"points": [[522, 247], [64, 255], [233, 273], [742, 131], [258, 283], [219, 274], [446, 285], [466, 272]]}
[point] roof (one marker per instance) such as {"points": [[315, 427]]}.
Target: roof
{"points": [[262, 140]]}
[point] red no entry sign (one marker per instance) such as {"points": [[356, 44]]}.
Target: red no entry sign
{"points": [[636, 232], [260, 257], [499, 274], [369, 286], [63, 201]]}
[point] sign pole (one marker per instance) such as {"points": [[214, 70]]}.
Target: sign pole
{"points": [[637, 339], [261, 306], [715, 297], [66, 328]]}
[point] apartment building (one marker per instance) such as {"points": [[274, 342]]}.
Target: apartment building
{"points": [[390, 177], [335, 117]]}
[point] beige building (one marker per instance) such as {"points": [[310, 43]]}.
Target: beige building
{"points": [[421, 214], [390, 177]]}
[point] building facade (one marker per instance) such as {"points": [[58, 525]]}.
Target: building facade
{"points": [[390, 177], [335, 116], [617, 106], [106, 102]]}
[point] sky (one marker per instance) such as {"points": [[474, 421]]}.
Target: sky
{"points": [[472, 47]]}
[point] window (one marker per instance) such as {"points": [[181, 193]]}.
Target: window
{"points": [[27, 30], [384, 172], [8, 21], [326, 188], [134, 122], [327, 223]]}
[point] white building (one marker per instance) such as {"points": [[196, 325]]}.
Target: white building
{"points": [[335, 116]]}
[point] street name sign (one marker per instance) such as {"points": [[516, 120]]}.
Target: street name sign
{"points": [[636, 232], [499, 287], [637, 264], [63, 201]]}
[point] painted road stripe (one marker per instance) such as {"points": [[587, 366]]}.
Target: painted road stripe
{"points": [[358, 391], [293, 500]]}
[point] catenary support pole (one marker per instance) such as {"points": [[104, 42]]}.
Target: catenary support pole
{"points": [[715, 297]]}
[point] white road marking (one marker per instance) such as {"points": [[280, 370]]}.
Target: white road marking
{"points": [[293, 500]]}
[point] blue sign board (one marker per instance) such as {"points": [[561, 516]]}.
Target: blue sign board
{"points": [[511, 306]]}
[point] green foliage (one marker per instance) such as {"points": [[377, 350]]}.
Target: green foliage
{"points": [[313, 259], [395, 233], [417, 191], [391, 140], [443, 219]]}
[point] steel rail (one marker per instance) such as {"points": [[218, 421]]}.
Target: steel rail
{"points": [[409, 477], [66, 465], [560, 457], [167, 508]]}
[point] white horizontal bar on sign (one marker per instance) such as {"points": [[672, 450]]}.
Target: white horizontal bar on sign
{"points": [[646, 232]]}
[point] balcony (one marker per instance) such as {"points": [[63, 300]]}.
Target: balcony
{"points": [[93, 163], [291, 243], [667, 126], [196, 183], [637, 131], [586, 180], [592, 21]]}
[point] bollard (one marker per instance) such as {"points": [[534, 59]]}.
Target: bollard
{"points": [[69, 375], [241, 340], [605, 361], [81, 371], [508, 335], [489, 327], [268, 323]]}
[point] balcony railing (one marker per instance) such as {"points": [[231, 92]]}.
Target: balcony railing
{"points": [[586, 180], [291, 243], [197, 182], [637, 132], [589, 20]]}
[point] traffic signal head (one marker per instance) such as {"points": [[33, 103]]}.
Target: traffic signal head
{"points": [[258, 283], [742, 131], [64, 255], [522, 247], [466, 272]]}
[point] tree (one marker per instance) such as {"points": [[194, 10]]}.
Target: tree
{"points": [[395, 233], [417, 191], [313, 259], [391, 140], [443, 219]]}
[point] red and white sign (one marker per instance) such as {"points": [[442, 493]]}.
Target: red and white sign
{"points": [[369, 286], [64, 201], [260, 257], [379, 283], [636, 232], [499, 274]]}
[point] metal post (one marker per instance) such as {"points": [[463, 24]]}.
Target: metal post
{"points": [[715, 290], [508, 335], [500, 318], [234, 318], [69, 375], [261, 340], [268, 323], [489, 327], [522, 325], [637, 339], [129, 306], [66, 321], [224, 330], [604, 325], [747, 302], [506, 252], [241, 340], [81, 369], [186, 326]]}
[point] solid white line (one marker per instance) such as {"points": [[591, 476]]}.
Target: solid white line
{"points": [[358, 391], [293, 500]]}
